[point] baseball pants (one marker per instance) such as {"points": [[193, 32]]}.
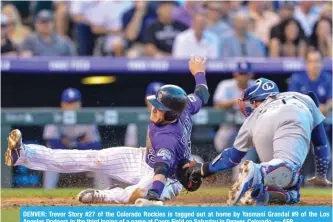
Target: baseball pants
{"points": [[126, 164]]}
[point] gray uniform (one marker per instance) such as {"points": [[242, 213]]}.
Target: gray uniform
{"points": [[280, 128]]}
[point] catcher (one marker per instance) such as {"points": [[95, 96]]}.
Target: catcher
{"points": [[280, 126], [150, 171]]}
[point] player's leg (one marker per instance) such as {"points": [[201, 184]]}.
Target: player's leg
{"points": [[290, 147], [130, 194], [285, 196], [273, 195], [275, 173], [121, 163]]}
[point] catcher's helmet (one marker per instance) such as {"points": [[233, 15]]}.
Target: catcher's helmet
{"points": [[260, 90], [170, 98]]}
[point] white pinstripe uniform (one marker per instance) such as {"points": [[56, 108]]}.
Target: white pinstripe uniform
{"points": [[126, 164]]}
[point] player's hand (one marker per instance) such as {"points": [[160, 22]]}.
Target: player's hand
{"points": [[197, 64], [320, 181]]}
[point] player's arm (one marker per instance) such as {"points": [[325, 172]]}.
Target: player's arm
{"points": [[200, 97], [230, 157], [161, 170], [164, 160], [320, 149]]}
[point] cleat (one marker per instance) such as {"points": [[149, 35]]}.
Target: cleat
{"points": [[95, 196], [246, 180], [247, 200], [91, 196], [14, 145]]}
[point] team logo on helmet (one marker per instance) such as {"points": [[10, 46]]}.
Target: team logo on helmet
{"points": [[159, 96], [268, 86]]}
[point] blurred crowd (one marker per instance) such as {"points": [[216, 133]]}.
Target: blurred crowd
{"points": [[215, 29]]}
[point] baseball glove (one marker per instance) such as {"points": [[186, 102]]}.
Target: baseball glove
{"points": [[189, 176]]}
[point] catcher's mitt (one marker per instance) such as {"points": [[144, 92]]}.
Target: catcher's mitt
{"points": [[189, 176]]}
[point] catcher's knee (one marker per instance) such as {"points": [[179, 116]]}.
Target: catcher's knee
{"points": [[278, 173]]}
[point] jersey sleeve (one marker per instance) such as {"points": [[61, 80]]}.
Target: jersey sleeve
{"points": [[194, 105], [165, 145], [243, 141]]}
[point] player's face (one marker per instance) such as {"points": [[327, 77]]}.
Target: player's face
{"points": [[314, 64], [156, 116], [255, 104], [71, 106]]}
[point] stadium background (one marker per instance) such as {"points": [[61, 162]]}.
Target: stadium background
{"points": [[37, 82]]}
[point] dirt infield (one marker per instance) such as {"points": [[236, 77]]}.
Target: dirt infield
{"points": [[185, 199]]}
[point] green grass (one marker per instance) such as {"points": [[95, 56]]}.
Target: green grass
{"points": [[10, 215], [13, 215], [68, 192]]}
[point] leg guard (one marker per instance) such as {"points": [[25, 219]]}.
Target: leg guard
{"points": [[286, 196], [279, 174]]}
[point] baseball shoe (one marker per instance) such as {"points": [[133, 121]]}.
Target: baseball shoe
{"points": [[14, 146], [94, 196], [91, 196], [249, 176], [246, 199], [257, 196]]}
